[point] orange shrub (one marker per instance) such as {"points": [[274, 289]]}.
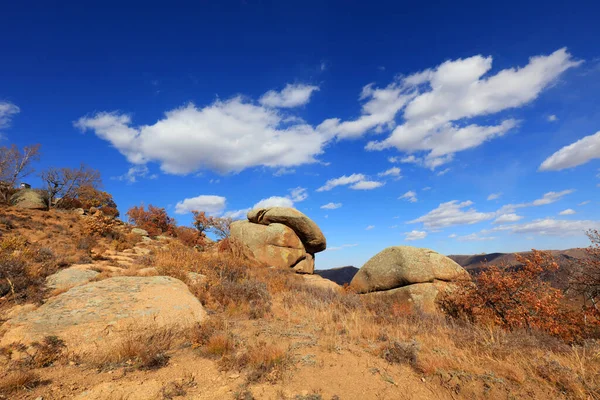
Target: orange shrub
{"points": [[516, 299], [155, 220]]}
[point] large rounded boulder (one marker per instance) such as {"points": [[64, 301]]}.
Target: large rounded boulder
{"points": [[400, 266], [274, 245], [90, 316], [413, 277], [306, 229], [28, 199]]}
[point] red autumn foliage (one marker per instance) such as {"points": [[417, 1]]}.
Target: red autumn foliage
{"points": [[189, 236], [584, 279], [518, 298], [155, 220]]}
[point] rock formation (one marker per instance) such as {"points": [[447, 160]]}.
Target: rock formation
{"points": [[28, 199], [280, 237], [97, 313], [413, 275]]}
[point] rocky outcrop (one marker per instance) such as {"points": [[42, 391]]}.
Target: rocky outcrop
{"points": [[280, 237], [92, 315], [28, 199], [70, 277], [414, 275], [308, 232]]}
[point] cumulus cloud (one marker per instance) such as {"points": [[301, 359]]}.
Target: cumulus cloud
{"points": [[367, 185], [284, 171], [331, 206], [341, 181], [568, 211], [552, 118], [551, 197], [555, 227], [7, 110], [134, 173], [504, 218], [473, 237], [438, 103], [415, 235], [275, 201], [578, 153], [292, 95], [395, 172], [211, 204], [453, 213], [547, 198], [378, 112], [409, 196], [356, 182], [298, 194], [225, 136], [494, 196]]}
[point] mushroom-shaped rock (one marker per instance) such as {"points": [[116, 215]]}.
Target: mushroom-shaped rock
{"points": [[91, 316], [306, 229], [273, 245], [400, 266]]}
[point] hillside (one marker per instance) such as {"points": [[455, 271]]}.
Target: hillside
{"points": [[260, 333]]}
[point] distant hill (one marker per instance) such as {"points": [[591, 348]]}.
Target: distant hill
{"points": [[339, 275], [476, 263]]}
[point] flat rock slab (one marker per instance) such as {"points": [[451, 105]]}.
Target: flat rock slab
{"points": [[317, 281], [95, 314], [70, 277]]}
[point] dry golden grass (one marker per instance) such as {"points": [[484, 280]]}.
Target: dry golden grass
{"points": [[18, 380]]}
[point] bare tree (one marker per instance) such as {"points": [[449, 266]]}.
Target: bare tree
{"points": [[65, 182], [14, 166]]}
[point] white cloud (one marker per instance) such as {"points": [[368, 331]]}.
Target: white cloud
{"points": [[378, 112], [551, 197], [442, 100], [426, 188], [274, 201], [568, 211], [547, 198], [331, 206], [7, 110], [225, 136], [134, 173], [473, 237], [209, 203], [583, 203], [453, 235], [410, 196], [443, 172], [415, 235], [504, 218], [370, 227], [367, 185], [357, 182], [343, 246], [494, 196], [394, 171], [292, 95], [284, 171], [341, 181], [552, 118], [394, 160], [237, 214], [452, 213], [555, 227], [298, 194], [578, 153]]}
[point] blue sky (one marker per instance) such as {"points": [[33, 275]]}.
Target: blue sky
{"points": [[463, 127]]}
